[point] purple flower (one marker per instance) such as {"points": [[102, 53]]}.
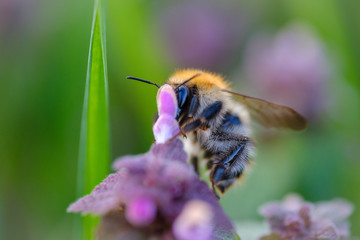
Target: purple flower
{"points": [[296, 219], [166, 125], [194, 222], [155, 190], [290, 68], [157, 195], [141, 211]]}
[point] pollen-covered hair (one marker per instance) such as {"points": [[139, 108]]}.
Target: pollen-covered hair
{"points": [[203, 80]]}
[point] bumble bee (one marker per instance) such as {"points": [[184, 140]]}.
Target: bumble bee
{"points": [[217, 127]]}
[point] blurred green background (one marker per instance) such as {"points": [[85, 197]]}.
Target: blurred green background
{"points": [[301, 53]]}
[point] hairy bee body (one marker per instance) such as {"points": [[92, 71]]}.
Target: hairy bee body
{"points": [[217, 126], [217, 144], [224, 136]]}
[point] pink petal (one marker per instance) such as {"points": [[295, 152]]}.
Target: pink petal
{"points": [[141, 211], [194, 222], [165, 128], [166, 101], [101, 200], [325, 229]]}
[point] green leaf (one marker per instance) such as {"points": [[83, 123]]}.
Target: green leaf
{"points": [[94, 145], [271, 236], [333, 21], [237, 237]]}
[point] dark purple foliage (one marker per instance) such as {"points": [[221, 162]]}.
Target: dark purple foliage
{"points": [[157, 195], [296, 219], [152, 190]]}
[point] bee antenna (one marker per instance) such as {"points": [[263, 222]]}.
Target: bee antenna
{"points": [[142, 80], [188, 80]]}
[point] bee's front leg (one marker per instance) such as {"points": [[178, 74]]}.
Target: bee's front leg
{"points": [[193, 107], [194, 160], [207, 114]]}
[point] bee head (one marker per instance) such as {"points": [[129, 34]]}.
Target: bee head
{"points": [[183, 94]]}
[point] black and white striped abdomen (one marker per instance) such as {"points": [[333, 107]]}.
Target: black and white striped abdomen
{"points": [[229, 149]]}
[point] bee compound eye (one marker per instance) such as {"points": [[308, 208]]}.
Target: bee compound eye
{"points": [[182, 95]]}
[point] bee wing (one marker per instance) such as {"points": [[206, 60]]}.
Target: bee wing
{"points": [[270, 114]]}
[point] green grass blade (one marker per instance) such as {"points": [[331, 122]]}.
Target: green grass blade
{"points": [[94, 146]]}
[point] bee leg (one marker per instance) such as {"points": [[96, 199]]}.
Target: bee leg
{"points": [[208, 113], [188, 128], [195, 163], [193, 107], [211, 111], [155, 118], [183, 133], [214, 190], [223, 174], [192, 126]]}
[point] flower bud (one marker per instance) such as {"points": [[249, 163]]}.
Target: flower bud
{"points": [[194, 222], [166, 126], [141, 211]]}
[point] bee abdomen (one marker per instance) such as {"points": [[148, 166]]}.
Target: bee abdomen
{"points": [[230, 153]]}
